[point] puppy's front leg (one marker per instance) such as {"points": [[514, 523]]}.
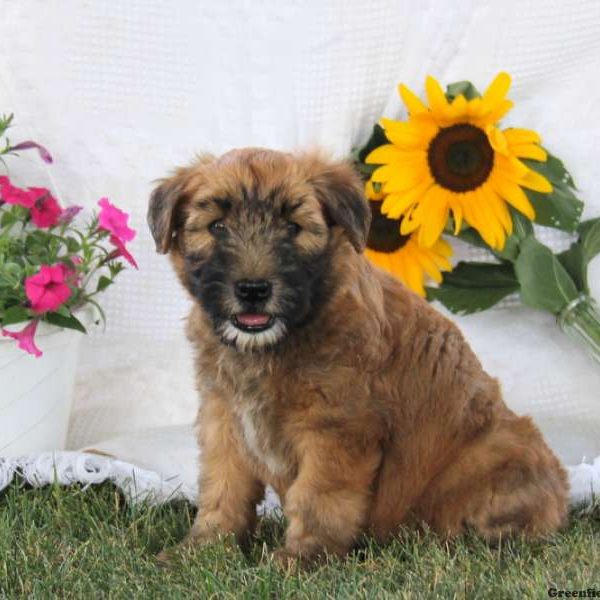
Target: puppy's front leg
{"points": [[327, 504], [229, 491]]}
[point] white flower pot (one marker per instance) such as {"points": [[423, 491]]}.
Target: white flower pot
{"points": [[36, 393]]}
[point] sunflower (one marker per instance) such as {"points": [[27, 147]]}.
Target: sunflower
{"points": [[451, 157], [400, 254]]}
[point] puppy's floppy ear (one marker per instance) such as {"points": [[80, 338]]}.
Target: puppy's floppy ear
{"points": [[340, 192], [165, 210], [162, 212]]}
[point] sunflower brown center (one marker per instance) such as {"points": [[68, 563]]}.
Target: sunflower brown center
{"points": [[460, 157], [384, 235]]}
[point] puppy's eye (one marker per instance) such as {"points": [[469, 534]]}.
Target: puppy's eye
{"points": [[218, 228], [294, 229]]}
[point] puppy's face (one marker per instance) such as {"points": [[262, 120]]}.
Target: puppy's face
{"points": [[252, 236]]}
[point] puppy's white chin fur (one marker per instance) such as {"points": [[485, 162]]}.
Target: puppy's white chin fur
{"points": [[246, 341]]}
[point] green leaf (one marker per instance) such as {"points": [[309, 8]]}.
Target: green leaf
{"points": [[64, 311], [552, 169], [15, 314], [8, 218], [574, 263], [103, 283], [462, 88], [480, 274], [577, 258], [472, 286], [466, 301], [73, 246], [70, 322], [544, 281], [589, 235], [561, 208]]}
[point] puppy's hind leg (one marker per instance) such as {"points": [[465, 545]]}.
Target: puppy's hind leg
{"points": [[505, 482], [229, 491]]}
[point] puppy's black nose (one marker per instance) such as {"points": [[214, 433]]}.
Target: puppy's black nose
{"points": [[253, 290]]}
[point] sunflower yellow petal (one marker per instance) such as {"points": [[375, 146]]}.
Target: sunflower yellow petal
{"points": [[535, 181], [383, 174], [443, 248], [491, 116], [405, 177], [413, 276], [500, 110], [408, 225], [441, 261], [499, 208], [496, 139], [434, 217], [413, 104], [475, 108], [515, 135], [510, 167], [531, 151], [395, 205], [514, 195], [385, 155], [485, 221], [458, 107], [423, 257], [497, 90], [436, 97], [457, 214], [407, 135]]}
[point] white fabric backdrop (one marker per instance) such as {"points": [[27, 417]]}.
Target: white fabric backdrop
{"points": [[121, 91]]}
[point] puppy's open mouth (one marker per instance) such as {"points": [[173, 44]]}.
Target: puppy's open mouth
{"points": [[253, 322]]}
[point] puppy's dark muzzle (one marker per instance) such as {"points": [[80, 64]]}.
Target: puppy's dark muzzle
{"points": [[253, 290]]}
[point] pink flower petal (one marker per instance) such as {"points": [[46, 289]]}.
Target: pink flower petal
{"points": [[45, 212], [121, 250], [11, 194], [114, 220], [25, 338], [47, 289]]}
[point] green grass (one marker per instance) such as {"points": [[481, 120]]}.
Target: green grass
{"points": [[70, 542]]}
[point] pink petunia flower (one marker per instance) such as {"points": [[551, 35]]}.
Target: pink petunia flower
{"points": [[114, 220], [11, 194], [45, 211], [47, 290], [121, 250], [25, 337], [29, 144]]}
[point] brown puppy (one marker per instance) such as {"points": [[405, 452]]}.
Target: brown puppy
{"points": [[326, 378]]}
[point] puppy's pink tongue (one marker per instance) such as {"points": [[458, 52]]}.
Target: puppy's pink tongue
{"points": [[253, 320]]}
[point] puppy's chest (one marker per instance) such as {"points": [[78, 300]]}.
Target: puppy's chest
{"points": [[259, 429]]}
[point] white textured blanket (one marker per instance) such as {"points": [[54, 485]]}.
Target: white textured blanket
{"points": [[171, 470], [121, 91]]}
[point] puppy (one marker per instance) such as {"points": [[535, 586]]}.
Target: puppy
{"points": [[326, 378]]}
